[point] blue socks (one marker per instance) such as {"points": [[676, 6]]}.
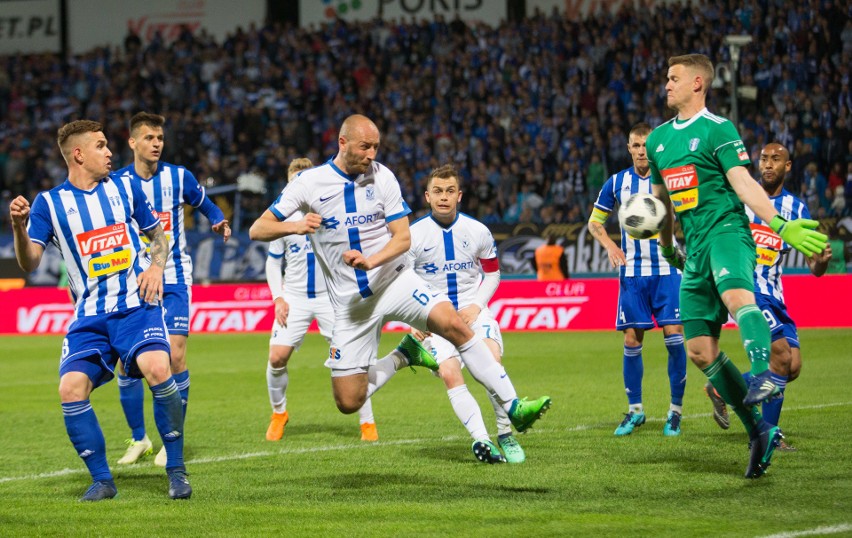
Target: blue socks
{"points": [[182, 380], [633, 372], [131, 393], [168, 415], [86, 436], [677, 367]]}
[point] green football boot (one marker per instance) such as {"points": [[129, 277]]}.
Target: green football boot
{"points": [[511, 448], [524, 413], [416, 354]]}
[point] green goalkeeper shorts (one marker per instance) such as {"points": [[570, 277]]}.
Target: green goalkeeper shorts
{"points": [[725, 263]]}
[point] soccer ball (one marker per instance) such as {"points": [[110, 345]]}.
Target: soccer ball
{"points": [[642, 216]]}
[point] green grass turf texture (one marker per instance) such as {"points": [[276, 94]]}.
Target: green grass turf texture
{"points": [[421, 477]]}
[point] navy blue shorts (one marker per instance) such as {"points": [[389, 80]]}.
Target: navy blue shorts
{"points": [[640, 297], [780, 322], [176, 299], [94, 344]]}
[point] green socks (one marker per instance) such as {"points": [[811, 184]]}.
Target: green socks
{"points": [[757, 340], [729, 383]]}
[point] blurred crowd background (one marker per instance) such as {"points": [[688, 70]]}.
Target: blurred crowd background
{"points": [[535, 114]]}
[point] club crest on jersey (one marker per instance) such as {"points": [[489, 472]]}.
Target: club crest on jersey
{"points": [[693, 144], [106, 238], [371, 192], [110, 263]]}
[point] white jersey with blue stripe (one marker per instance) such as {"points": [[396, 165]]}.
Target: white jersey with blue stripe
{"points": [[97, 233], [355, 211], [448, 257], [302, 277], [771, 249], [643, 255], [167, 191]]}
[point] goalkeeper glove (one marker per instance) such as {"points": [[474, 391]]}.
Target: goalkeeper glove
{"points": [[674, 256], [800, 234]]}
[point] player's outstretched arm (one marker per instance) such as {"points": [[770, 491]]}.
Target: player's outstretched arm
{"points": [[27, 252], [150, 281], [801, 234], [268, 228]]}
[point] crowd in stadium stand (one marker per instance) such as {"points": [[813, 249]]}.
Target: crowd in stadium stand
{"points": [[535, 114]]}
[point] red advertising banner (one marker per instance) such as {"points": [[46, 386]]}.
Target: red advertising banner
{"points": [[518, 305]]}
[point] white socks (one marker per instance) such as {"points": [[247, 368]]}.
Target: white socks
{"points": [[479, 360], [276, 382], [468, 411], [384, 369], [504, 425]]}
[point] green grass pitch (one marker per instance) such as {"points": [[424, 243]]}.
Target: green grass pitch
{"points": [[421, 478]]}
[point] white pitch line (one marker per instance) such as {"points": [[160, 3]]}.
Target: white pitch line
{"points": [[329, 448], [818, 531]]}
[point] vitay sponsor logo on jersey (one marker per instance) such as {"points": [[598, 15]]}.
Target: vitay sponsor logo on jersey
{"points": [[165, 219], [768, 243], [105, 238], [682, 183]]}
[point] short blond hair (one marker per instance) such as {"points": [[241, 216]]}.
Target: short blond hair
{"points": [[697, 61], [298, 165], [70, 130]]}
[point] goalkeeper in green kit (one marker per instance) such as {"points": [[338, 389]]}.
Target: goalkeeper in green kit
{"points": [[698, 168]]}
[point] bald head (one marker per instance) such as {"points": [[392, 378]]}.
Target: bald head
{"points": [[357, 125], [358, 144]]}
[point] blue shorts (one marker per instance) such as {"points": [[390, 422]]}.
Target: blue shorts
{"points": [[94, 344], [780, 323], [640, 297], [176, 299]]}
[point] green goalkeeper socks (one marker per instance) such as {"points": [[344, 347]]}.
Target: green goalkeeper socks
{"points": [[757, 340], [729, 383]]}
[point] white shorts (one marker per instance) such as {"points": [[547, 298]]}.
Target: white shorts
{"points": [[302, 312], [355, 339], [484, 326]]}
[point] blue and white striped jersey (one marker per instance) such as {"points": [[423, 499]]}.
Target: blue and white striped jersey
{"points": [[97, 233], [448, 257], [771, 249], [302, 278], [167, 191], [643, 255], [355, 211]]}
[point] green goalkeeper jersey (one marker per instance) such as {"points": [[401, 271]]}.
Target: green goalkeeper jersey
{"points": [[691, 158]]}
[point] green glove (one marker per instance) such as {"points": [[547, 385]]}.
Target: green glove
{"points": [[800, 234], [674, 256]]}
